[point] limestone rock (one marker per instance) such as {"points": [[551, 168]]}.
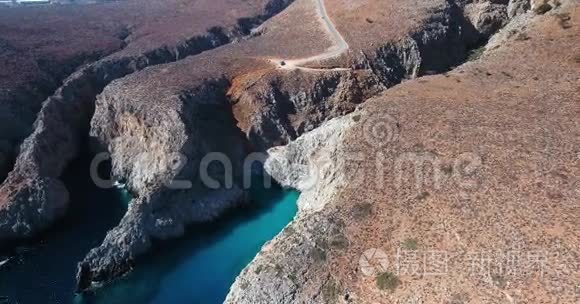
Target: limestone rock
{"points": [[540, 7], [517, 7], [308, 163], [30, 204], [157, 145], [282, 105], [487, 17]]}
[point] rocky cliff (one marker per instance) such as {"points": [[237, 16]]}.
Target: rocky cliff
{"points": [[439, 173], [64, 119], [159, 113], [144, 121], [274, 107], [159, 154]]}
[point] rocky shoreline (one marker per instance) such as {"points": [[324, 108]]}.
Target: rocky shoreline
{"points": [[158, 114], [265, 109], [317, 258], [63, 121]]}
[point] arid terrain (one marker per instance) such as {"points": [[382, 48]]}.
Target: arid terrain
{"points": [[42, 46], [435, 143], [476, 197]]}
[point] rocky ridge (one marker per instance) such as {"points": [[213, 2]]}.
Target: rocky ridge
{"points": [[270, 105], [32, 73], [62, 123], [162, 207], [194, 113], [489, 125]]}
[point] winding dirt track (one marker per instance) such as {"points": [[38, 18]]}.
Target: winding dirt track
{"points": [[339, 48]]}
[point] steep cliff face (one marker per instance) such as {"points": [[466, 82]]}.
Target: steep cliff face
{"points": [[179, 152], [146, 140], [308, 165], [40, 200], [29, 76], [159, 150], [276, 106], [317, 165], [462, 165], [64, 119], [44, 154], [143, 122], [438, 44]]}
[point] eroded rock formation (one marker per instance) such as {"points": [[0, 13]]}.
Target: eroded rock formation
{"points": [[64, 118], [143, 114], [466, 163], [154, 108]]}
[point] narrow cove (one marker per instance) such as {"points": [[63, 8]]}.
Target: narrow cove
{"points": [[199, 268]]}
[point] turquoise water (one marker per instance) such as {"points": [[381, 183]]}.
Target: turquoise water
{"points": [[201, 267], [198, 268]]}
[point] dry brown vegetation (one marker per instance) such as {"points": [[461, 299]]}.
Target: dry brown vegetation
{"points": [[517, 109], [51, 41]]}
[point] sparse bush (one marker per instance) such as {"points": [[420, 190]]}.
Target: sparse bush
{"points": [[361, 211], [542, 9], [522, 37], [244, 285], [331, 291], [289, 230], [499, 281], [447, 169], [388, 281], [423, 195], [318, 254], [293, 278], [279, 270], [411, 244], [339, 241], [459, 298], [564, 20]]}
